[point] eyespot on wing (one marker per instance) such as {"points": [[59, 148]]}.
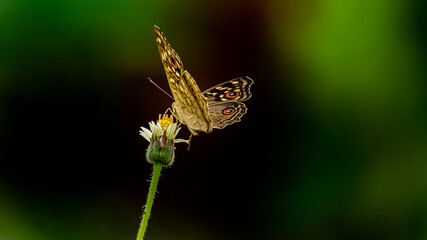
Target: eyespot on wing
{"points": [[228, 111], [232, 94]]}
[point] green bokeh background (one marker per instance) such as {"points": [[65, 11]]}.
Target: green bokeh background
{"points": [[334, 145]]}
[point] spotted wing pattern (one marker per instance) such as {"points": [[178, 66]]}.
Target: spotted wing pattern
{"points": [[225, 101]]}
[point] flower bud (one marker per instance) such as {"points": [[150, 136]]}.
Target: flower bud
{"points": [[161, 150]]}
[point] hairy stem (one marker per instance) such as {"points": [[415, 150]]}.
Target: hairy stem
{"points": [[153, 186]]}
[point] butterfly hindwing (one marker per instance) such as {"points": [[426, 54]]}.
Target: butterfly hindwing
{"points": [[226, 113], [235, 90]]}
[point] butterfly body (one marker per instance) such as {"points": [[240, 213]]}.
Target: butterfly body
{"points": [[216, 107]]}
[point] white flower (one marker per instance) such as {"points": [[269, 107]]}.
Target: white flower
{"points": [[162, 140], [164, 126]]}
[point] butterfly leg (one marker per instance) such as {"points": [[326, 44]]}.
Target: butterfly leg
{"points": [[189, 142], [173, 114], [169, 110]]}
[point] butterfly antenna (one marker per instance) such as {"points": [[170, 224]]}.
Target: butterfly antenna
{"points": [[161, 89]]}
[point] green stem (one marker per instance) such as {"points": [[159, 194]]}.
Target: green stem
{"points": [[153, 186]]}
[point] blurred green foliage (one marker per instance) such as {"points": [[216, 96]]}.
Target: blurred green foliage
{"points": [[361, 72]]}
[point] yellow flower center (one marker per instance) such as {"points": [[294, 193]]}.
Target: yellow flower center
{"points": [[165, 121]]}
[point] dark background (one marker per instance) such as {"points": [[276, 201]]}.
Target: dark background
{"points": [[333, 145]]}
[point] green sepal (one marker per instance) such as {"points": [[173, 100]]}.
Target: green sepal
{"points": [[161, 150]]}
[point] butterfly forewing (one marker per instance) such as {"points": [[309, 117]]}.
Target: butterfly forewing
{"points": [[172, 63], [190, 105], [235, 90]]}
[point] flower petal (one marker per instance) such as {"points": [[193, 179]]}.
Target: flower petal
{"points": [[146, 133], [182, 141], [156, 129], [159, 130], [152, 126], [171, 131]]}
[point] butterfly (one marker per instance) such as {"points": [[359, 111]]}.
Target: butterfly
{"points": [[217, 107]]}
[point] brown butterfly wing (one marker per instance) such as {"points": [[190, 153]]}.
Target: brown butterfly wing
{"points": [[225, 101], [227, 113], [235, 90], [193, 106], [190, 105], [174, 68]]}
